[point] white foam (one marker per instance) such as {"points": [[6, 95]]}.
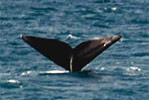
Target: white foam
{"points": [[114, 8], [26, 73], [44, 72], [105, 8], [102, 68], [54, 72], [71, 36], [96, 38], [21, 36], [13, 81], [133, 68]]}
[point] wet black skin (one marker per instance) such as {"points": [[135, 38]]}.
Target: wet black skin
{"points": [[61, 53]]}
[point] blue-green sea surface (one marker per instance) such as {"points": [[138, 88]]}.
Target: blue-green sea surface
{"points": [[119, 73]]}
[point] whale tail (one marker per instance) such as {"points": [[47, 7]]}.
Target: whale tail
{"points": [[72, 59]]}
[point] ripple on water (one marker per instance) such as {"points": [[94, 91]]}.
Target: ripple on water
{"points": [[121, 72]]}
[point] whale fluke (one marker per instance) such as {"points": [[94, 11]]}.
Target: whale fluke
{"points": [[72, 59]]}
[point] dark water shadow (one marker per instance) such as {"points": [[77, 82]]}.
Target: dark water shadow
{"points": [[10, 85]]}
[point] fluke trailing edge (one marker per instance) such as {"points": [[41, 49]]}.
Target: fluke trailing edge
{"points": [[72, 59]]}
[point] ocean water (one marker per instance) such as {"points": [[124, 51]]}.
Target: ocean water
{"points": [[119, 73]]}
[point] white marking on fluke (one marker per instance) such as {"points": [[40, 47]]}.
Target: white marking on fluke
{"points": [[106, 42], [71, 63]]}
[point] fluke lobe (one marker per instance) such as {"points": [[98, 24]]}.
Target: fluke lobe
{"points": [[72, 59]]}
